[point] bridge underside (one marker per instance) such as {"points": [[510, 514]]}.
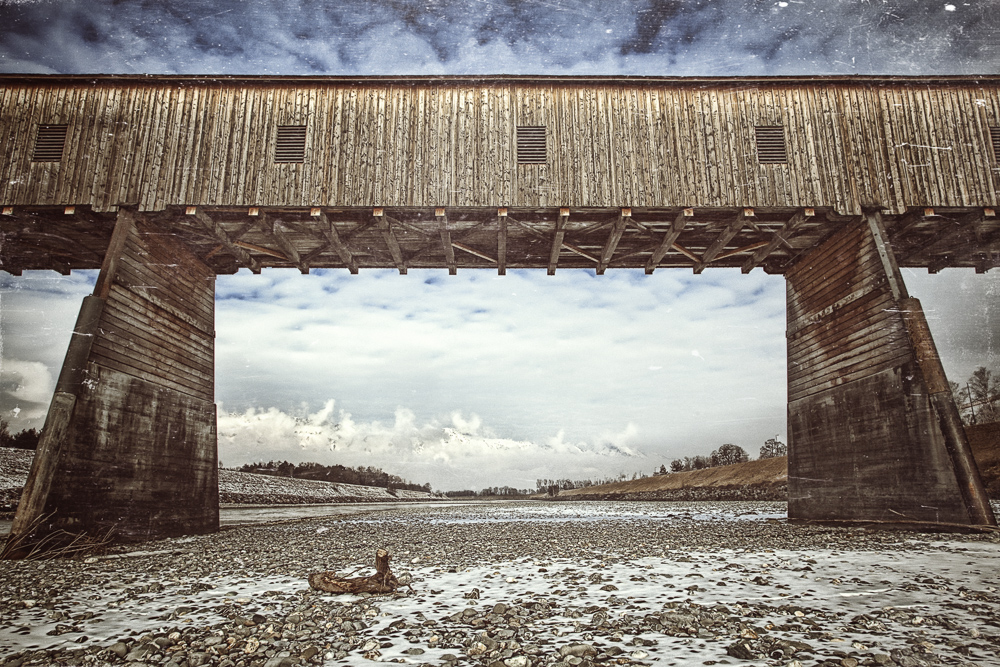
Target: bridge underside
{"points": [[130, 444], [227, 239]]}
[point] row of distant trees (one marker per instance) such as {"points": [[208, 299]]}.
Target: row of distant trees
{"points": [[361, 475], [491, 492], [726, 455], [27, 439]]}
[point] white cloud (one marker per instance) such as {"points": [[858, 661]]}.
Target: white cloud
{"points": [[34, 382], [531, 354], [450, 455]]}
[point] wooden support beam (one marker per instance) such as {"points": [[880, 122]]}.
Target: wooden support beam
{"points": [[779, 237], [557, 240], [684, 251], [244, 229], [502, 241], [473, 251], [329, 230], [958, 228], [906, 223], [886, 255], [278, 231], [740, 251], [241, 255], [109, 267], [989, 260], [581, 252], [382, 220], [264, 250], [612, 243], [449, 251], [724, 237], [669, 240]]}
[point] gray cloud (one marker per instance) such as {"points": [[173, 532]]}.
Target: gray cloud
{"points": [[670, 365], [650, 37]]}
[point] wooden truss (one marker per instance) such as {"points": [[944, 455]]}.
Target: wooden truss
{"points": [[228, 239]]}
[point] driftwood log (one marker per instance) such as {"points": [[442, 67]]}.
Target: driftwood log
{"points": [[383, 581]]}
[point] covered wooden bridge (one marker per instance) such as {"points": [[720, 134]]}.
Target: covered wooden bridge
{"points": [[163, 182]]}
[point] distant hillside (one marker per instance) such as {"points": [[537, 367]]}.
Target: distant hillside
{"points": [[756, 480], [246, 488], [234, 487], [764, 479]]}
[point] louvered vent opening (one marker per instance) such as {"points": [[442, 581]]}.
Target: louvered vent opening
{"points": [[531, 144], [771, 144], [291, 144], [49, 143], [995, 140]]}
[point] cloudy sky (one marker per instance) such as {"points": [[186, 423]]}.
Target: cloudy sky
{"points": [[477, 380]]}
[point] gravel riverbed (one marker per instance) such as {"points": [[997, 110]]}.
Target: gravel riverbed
{"points": [[519, 585]]}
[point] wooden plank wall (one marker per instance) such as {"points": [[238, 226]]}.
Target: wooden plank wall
{"points": [[841, 320], [158, 323], [140, 453], [140, 460], [864, 440], [436, 144]]}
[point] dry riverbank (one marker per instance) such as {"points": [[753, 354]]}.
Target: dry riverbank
{"points": [[766, 479], [520, 585]]}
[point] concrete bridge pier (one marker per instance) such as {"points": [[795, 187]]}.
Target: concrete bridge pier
{"points": [[129, 442], [874, 433]]}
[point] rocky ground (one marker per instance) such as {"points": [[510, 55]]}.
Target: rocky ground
{"points": [[520, 585]]}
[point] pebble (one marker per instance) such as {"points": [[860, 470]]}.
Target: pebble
{"points": [[274, 620]]}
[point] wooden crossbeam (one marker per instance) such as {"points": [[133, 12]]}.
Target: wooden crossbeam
{"points": [[362, 227], [724, 237], [612, 243], [213, 226], [558, 235], [687, 253], [581, 252], [989, 260], [264, 250], [964, 248], [449, 251], [501, 241], [324, 245], [669, 240], [906, 223], [287, 247], [739, 251], [235, 236], [473, 251], [382, 221], [329, 231], [961, 227], [777, 239]]}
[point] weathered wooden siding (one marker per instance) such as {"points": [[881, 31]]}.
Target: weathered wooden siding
{"points": [[177, 141], [139, 454], [841, 323], [141, 461], [864, 440], [159, 320]]}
